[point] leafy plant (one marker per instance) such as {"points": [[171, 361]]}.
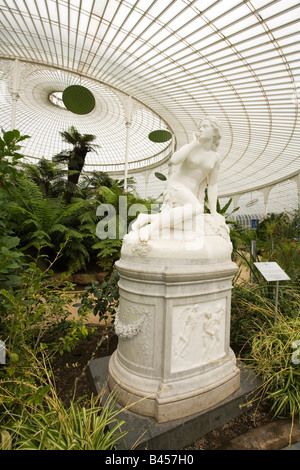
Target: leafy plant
{"points": [[102, 299], [48, 176], [271, 355], [49, 222], [37, 419], [11, 260], [9, 147], [109, 248], [250, 310], [267, 346], [95, 179], [224, 210], [273, 226], [108, 252], [52, 427], [35, 315], [276, 240]]}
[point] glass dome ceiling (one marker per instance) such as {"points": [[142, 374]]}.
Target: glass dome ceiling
{"points": [[178, 60], [41, 113]]}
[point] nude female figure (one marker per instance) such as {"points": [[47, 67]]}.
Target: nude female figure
{"points": [[196, 166]]}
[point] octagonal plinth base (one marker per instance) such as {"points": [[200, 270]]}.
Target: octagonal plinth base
{"points": [[173, 357], [177, 398]]}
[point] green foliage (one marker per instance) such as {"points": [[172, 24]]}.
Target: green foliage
{"points": [[81, 142], [109, 248], [10, 146], [48, 223], [287, 255], [47, 175], [11, 260], [224, 210], [102, 299], [271, 353], [108, 252], [274, 226], [38, 211], [280, 234], [75, 428], [35, 316], [277, 239], [34, 418], [95, 179], [35, 325], [266, 345]]}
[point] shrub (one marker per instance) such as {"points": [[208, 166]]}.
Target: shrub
{"points": [[102, 299], [273, 356], [269, 346], [35, 316], [36, 419]]}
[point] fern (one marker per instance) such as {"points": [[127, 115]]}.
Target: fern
{"points": [[108, 251], [49, 222]]}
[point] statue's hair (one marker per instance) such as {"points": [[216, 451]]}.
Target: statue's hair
{"points": [[216, 125]]}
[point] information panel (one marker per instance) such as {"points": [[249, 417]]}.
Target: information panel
{"points": [[272, 271]]}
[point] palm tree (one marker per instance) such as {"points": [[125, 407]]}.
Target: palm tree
{"points": [[75, 158]]}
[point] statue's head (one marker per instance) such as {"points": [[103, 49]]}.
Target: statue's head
{"points": [[216, 125]]}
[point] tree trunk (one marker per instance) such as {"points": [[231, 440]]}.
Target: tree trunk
{"points": [[76, 163]]}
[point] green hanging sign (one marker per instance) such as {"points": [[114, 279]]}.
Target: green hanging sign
{"points": [[78, 99], [160, 136]]}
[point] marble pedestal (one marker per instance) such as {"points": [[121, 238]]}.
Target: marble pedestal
{"points": [[173, 358]]}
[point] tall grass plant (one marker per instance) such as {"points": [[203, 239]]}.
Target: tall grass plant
{"points": [[37, 419]]}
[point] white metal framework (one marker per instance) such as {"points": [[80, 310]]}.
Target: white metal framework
{"points": [[238, 60]]}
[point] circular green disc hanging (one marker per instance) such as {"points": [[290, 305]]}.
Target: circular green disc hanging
{"points": [[78, 99], [160, 176], [160, 136]]}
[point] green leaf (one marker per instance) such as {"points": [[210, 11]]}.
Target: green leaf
{"points": [[5, 250], [14, 357], [6, 440], [16, 134], [23, 137], [8, 137]]}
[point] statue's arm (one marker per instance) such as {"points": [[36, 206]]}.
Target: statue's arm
{"points": [[182, 154], [212, 189]]}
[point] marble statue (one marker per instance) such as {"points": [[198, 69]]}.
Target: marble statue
{"points": [[174, 357], [196, 166]]}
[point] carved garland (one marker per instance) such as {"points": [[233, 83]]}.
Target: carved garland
{"points": [[130, 330]]}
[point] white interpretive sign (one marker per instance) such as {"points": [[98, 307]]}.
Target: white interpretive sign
{"points": [[271, 271], [2, 352]]}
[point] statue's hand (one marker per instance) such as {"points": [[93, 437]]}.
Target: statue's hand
{"points": [[196, 137]]}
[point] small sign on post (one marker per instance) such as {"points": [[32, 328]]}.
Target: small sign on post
{"points": [[2, 352], [271, 271]]}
